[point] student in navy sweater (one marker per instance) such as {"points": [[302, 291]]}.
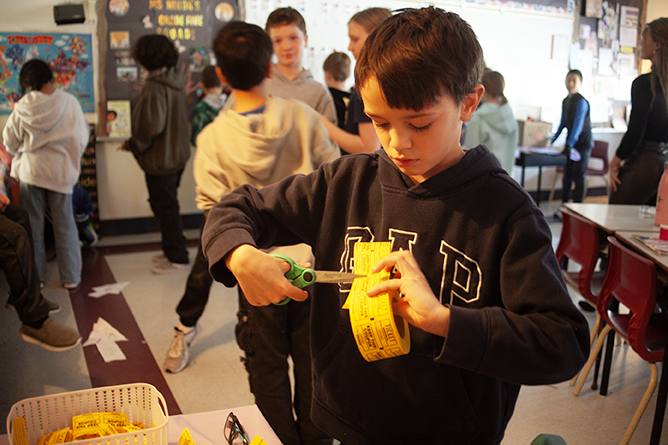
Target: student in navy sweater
{"points": [[482, 291]]}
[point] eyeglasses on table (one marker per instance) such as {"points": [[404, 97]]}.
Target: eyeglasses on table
{"points": [[234, 432]]}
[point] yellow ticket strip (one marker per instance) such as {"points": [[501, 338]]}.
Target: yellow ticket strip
{"points": [[378, 332]]}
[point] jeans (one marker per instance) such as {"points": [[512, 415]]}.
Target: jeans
{"points": [[640, 175], [17, 262], [165, 206], [268, 335], [574, 172], [68, 253], [192, 304]]}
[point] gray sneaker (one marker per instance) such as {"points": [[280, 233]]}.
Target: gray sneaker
{"points": [[52, 336], [178, 354], [167, 267]]}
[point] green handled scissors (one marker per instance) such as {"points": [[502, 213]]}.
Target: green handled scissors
{"points": [[302, 277]]}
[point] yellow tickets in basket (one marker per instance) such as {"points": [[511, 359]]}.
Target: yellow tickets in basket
{"points": [[258, 441], [378, 332]]}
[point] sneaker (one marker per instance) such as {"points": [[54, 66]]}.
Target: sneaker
{"points": [[159, 258], [52, 336], [90, 236], [178, 354], [168, 267], [53, 307], [71, 286]]}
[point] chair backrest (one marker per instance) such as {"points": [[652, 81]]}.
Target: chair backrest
{"points": [[631, 280], [600, 151], [579, 242]]}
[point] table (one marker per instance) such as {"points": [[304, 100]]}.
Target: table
{"points": [[612, 218], [538, 157], [207, 428]]}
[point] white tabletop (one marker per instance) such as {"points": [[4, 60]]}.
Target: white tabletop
{"points": [[614, 217], [207, 428], [628, 236]]}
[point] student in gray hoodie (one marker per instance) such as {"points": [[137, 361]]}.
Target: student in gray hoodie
{"points": [[493, 123], [47, 133]]}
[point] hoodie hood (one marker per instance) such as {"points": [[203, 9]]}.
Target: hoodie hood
{"points": [[302, 77], [476, 163], [286, 138], [41, 112], [499, 117], [171, 78]]}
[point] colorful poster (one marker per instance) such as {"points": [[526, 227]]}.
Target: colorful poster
{"points": [[69, 56]]}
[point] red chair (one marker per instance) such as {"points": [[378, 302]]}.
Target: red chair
{"points": [[580, 243], [631, 281], [600, 151]]}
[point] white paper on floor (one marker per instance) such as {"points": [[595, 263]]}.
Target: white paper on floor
{"points": [[105, 337], [113, 288]]}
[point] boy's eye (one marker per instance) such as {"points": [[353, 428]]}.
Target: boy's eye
{"points": [[421, 128], [380, 125]]}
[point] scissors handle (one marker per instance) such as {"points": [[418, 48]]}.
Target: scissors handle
{"points": [[299, 276]]}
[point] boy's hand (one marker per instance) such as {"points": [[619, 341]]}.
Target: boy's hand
{"points": [[261, 276], [419, 306]]}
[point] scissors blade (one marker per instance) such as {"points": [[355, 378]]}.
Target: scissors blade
{"points": [[326, 276]]}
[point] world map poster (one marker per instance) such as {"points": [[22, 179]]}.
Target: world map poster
{"points": [[68, 55]]}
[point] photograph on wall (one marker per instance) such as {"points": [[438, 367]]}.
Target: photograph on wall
{"points": [[123, 58], [198, 58], [68, 55], [119, 40], [126, 73]]}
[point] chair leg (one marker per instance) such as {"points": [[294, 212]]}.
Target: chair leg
{"points": [[554, 183], [592, 359], [598, 325], [643, 404]]}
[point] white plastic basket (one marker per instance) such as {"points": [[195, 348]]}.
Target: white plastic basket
{"points": [[139, 401]]}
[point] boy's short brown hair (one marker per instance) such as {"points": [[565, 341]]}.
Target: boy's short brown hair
{"points": [[418, 55], [210, 78], [337, 65], [285, 16]]}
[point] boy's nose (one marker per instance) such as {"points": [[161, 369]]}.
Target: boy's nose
{"points": [[399, 140]]}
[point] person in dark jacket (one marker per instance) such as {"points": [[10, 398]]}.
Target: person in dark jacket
{"points": [[579, 141], [160, 143], [487, 307], [636, 168]]}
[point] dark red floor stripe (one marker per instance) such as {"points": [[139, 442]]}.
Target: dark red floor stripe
{"points": [[140, 366]]}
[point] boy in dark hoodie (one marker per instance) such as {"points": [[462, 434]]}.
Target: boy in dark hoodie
{"points": [[481, 288]]}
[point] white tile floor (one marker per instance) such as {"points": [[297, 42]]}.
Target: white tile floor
{"points": [[215, 378]]}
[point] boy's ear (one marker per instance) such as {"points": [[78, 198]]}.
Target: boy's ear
{"points": [[471, 102], [220, 75]]}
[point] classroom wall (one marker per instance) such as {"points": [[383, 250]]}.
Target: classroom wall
{"points": [[519, 45]]}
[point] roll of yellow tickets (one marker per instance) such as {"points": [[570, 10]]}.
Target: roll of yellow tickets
{"points": [[378, 332]]}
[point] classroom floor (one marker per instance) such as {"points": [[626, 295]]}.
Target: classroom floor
{"points": [[144, 312]]}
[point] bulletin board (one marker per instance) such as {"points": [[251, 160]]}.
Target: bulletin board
{"points": [[606, 51], [191, 24]]}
